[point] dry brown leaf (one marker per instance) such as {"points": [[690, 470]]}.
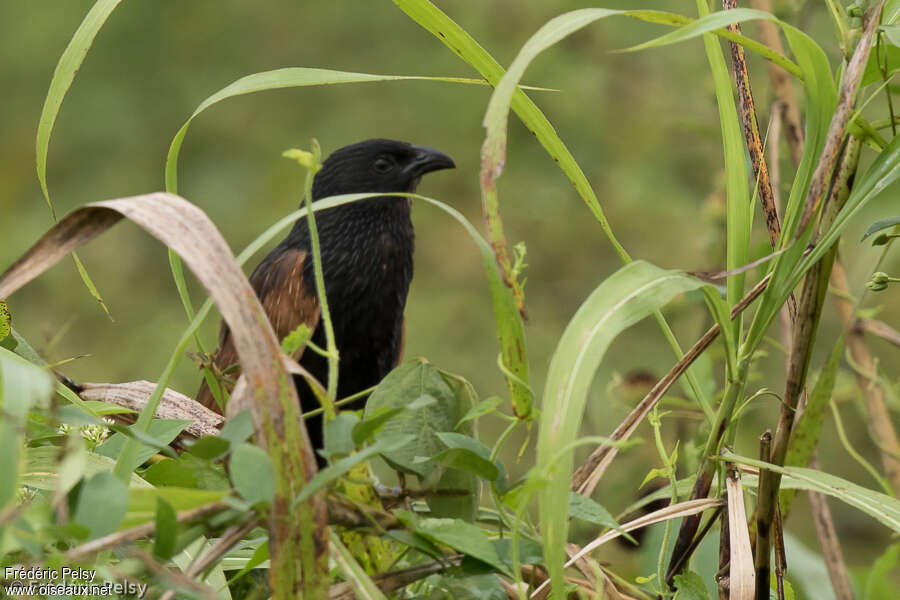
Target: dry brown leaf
{"points": [[742, 576], [276, 415]]}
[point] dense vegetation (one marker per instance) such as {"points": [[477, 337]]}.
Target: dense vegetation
{"points": [[482, 470]]}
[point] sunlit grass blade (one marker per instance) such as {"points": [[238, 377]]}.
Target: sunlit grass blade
{"points": [[632, 293]]}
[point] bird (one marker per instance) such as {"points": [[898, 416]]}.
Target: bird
{"points": [[366, 250]]}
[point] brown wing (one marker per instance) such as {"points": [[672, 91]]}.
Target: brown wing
{"points": [[278, 282]]}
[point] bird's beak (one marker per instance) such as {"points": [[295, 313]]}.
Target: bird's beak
{"points": [[427, 160]]}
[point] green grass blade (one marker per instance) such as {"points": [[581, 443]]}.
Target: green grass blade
{"points": [[632, 293], [739, 211], [278, 79], [63, 76], [882, 507], [68, 65], [714, 23], [464, 46]]}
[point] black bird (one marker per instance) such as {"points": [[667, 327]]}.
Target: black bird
{"points": [[367, 260]]}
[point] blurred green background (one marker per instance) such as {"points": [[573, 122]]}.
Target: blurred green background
{"points": [[643, 126]]}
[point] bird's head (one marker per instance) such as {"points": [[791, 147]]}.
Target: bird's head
{"points": [[377, 165]]}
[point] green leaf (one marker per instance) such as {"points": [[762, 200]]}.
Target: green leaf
{"points": [[171, 472], [42, 468], [166, 530], [339, 435], [585, 509], [626, 297], [882, 507], [210, 447], [462, 537], [252, 473], [143, 502], [102, 504], [485, 407], [400, 389], [372, 423], [22, 385], [467, 454], [159, 434], [463, 507], [238, 428], [260, 555], [690, 586], [879, 576], [296, 339], [880, 225], [11, 458], [341, 467]]}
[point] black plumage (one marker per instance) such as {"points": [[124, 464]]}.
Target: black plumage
{"points": [[367, 263]]}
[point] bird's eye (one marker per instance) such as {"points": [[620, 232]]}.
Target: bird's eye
{"points": [[383, 165]]}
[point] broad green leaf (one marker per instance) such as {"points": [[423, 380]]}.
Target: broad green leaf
{"points": [[585, 509], [399, 389], [473, 449], [485, 407], [880, 506], [42, 468], [238, 428], [209, 447], [339, 435], [11, 457], [142, 502], [630, 294], [159, 434], [253, 473], [102, 504], [341, 467], [171, 472], [464, 507], [690, 586], [22, 385], [166, 530], [462, 537]]}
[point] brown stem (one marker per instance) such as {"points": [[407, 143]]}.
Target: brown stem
{"points": [[809, 310], [751, 132], [838, 127], [781, 81], [831, 546], [866, 378]]}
